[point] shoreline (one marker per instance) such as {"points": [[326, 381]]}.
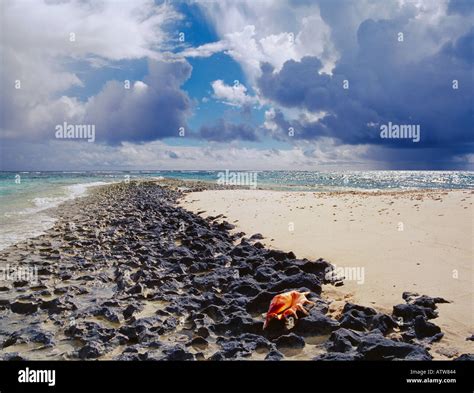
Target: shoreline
{"points": [[31, 221], [126, 274]]}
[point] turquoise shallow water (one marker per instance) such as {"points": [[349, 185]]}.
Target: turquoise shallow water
{"points": [[26, 196]]}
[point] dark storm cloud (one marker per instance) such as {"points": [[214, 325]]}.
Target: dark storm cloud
{"points": [[142, 113], [224, 131], [383, 87]]}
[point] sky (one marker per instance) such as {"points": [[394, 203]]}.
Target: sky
{"points": [[234, 84]]}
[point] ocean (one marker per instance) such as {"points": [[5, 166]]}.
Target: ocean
{"points": [[25, 197]]}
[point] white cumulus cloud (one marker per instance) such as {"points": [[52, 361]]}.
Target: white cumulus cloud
{"points": [[235, 95]]}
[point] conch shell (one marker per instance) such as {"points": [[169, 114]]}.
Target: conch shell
{"points": [[287, 304]]}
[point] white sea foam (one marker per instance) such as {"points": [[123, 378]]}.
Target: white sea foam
{"points": [[72, 192], [33, 221]]}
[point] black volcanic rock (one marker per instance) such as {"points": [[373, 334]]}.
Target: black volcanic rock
{"points": [[383, 322], [314, 324], [290, 341], [367, 311], [409, 311], [423, 300], [24, 307], [30, 334], [130, 310], [344, 340], [296, 282], [238, 324], [279, 255], [355, 320], [264, 273], [177, 352], [4, 303], [12, 356], [57, 306], [199, 342], [261, 302], [374, 346], [423, 328], [318, 267], [91, 350], [274, 355], [465, 357], [225, 226]]}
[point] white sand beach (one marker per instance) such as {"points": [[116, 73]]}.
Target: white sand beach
{"points": [[419, 241]]}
